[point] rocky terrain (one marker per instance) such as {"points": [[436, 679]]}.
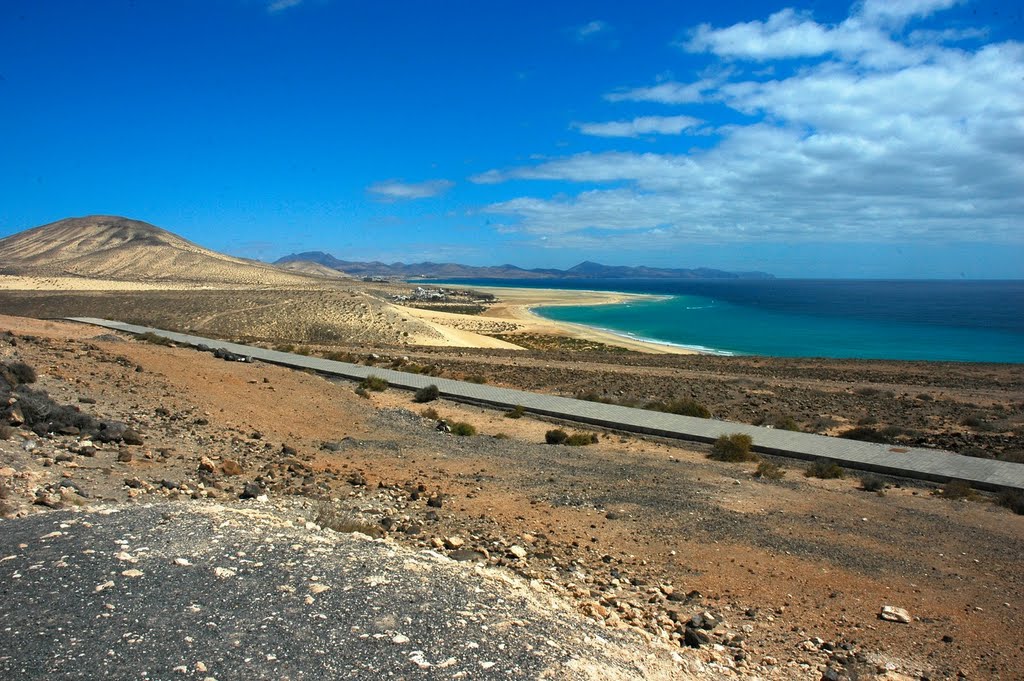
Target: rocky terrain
{"points": [[739, 576]]}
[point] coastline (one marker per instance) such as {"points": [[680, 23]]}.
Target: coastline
{"points": [[519, 304]]}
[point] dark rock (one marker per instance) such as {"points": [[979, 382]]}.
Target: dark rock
{"points": [[288, 450], [947, 639], [71, 485], [169, 484], [131, 437], [612, 515], [134, 483], [695, 638], [251, 491], [124, 456], [111, 431], [357, 479], [435, 501]]}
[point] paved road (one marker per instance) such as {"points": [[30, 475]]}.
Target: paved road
{"points": [[910, 462]]}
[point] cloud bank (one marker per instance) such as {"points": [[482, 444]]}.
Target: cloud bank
{"points": [[865, 130]]}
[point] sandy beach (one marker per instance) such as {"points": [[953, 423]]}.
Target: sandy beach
{"points": [[515, 309]]}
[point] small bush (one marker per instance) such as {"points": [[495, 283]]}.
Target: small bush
{"points": [[581, 439], [925, 397], [864, 434], [975, 422], [825, 469], [735, 447], [427, 394], [515, 412], [374, 383], [430, 413], [683, 406], [476, 378], [956, 489], [285, 347], [766, 470], [150, 337], [463, 429], [341, 520], [867, 391], [339, 356], [19, 372], [362, 392], [6, 431], [1012, 500], [872, 483], [500, 436], [556, 437]]}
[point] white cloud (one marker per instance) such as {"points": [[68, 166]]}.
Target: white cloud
{"points": [[281, 5], [396, 190], [591, 29], [901, 10], [643, 125], [666, 93], [876, 136]]}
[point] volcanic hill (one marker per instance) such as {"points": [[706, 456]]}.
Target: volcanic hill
{"points": [[116, 248]]}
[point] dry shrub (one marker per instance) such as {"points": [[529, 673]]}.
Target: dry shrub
{"points": [[733, 448]]}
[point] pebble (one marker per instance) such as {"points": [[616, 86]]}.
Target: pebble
{"points": [[223, 573]]}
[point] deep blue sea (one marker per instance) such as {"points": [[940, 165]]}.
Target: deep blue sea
{"points": [[971, 321]]}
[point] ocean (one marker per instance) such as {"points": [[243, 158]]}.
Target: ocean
{"points": [[967, 321]]}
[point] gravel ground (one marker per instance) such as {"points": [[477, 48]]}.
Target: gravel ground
{"points": [[247, 591]]}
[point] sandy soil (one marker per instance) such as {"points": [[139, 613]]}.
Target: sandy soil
{"points": [[798, 569], [518, 304]]}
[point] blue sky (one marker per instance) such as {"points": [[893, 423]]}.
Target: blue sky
{"points": [[882, 138]]}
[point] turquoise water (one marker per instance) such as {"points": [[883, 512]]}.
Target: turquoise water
{"points": [[910, 320]]}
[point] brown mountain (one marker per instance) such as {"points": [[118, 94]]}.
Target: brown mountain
{"points": [[111, 247]]}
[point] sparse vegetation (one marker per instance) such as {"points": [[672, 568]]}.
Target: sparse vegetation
{"points": [[430, 413], [556, 436], [17, 373], [766, 470], [779, 422], [1012, 500], [501, 436], [476, 378], [427, 394], [684, 406], [463, 429], [362, 392], [374, 383], [872, 483], [975, 422], [339, 520], [864, 434], [733, 448], [154, 339], [825, 469], [581, 439], [515, 412], [957, 489]]}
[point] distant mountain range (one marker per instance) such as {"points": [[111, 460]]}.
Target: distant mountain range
{"points": [[584, 270]]}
